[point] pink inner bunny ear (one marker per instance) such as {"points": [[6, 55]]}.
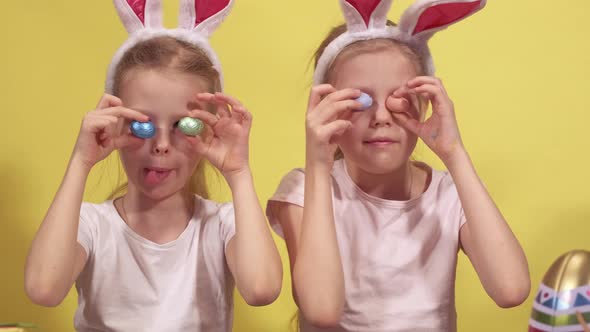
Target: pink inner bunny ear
{"points": [[205, 9], [365, 8], [138, 7], [444, 14], [139, 14]]}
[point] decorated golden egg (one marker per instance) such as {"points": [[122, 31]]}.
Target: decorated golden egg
{"points": [[562, 303]]}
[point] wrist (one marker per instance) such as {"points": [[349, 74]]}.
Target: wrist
{"points": [[457, 160], [234, 178], [79, 166], [313, 165]]}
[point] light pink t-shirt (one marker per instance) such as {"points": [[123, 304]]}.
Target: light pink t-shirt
{"points": [[399, 257], [132, 284]]}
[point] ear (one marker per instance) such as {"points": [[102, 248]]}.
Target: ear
{"points": [[361, 15], [203, 15], [139, 14], [426, 17]]}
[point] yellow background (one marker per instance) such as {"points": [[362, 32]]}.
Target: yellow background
{"points": [[517, 71]]}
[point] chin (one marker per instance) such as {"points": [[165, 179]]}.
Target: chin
{"points": [[162, 192], [381, 165]]}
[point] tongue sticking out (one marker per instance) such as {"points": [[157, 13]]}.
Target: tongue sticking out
{"points": [[155, 177]]}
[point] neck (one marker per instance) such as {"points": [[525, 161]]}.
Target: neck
{"points": [[158, 220], [395, 185]]}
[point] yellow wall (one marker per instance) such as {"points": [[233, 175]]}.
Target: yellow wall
{"points": [[518, 73]]}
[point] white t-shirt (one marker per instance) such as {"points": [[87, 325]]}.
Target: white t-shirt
{"points": [[132, 284], [399, 257]]}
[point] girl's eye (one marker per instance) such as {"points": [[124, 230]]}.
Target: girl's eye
{"points": [[175, 125]]}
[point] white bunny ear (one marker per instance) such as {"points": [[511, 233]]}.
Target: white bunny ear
{"points": [[139, 14], [361, 15], [426, 17], [203, 15]]}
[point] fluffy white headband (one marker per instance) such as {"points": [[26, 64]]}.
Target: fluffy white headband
{"points": [[198, 19], [367, 19]]}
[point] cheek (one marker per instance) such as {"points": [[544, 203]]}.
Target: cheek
{"points": [[410, 142], [132, 154], [130, 162], [181, 142], [351, 138], [187, 150], [207, 134]]}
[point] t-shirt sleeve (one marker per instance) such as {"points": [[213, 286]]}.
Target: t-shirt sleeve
{"points": [[227, 221], [87, 228], [452, 198], [290, 190], [462, 219]]}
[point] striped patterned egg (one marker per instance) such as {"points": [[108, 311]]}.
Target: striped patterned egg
{"points": [[562, 303]]}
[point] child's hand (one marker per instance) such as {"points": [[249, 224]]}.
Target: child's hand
{"points": [[325, 121], [102, 131], [440, 132], [226, 147]]}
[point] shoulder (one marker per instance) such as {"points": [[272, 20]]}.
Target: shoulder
{"points": [[442, 191], [444, 182], [295, 176], [95, 212], [208, 210]]}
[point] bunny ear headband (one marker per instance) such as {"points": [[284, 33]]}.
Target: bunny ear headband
{"points": [[367, 19], [198, 19]]}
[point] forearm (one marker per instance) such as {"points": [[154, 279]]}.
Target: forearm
{"points": [[259, 269], [51, 258], [494, 250], [317, 273]]}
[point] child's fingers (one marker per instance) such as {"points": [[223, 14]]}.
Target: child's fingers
{"points": [[222, 108], [336, 109], [432, 93], [108, 100], [222, 105], [197, 143], [407, 121], [106, 126], [236, 107], [408, 94], [205, 116], [126, 140], [205, 96], [427, 80], [334, 128], [124, 112], [336, 96], [92, 117], [335, 105], [246, 117], [96, 124], [402, 92], [317, 93], [397, 104], [421, 80], [233, 102]]}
